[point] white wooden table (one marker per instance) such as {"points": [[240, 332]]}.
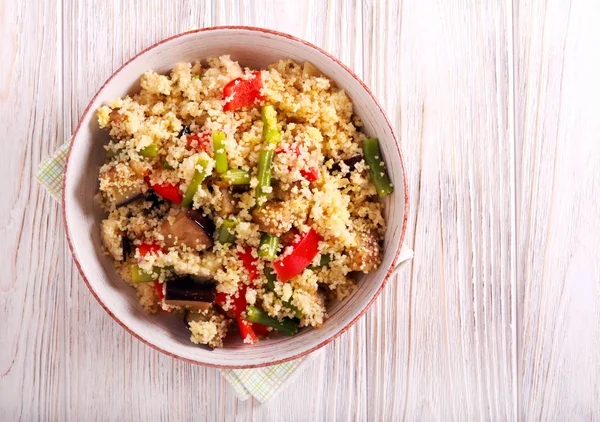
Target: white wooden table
{"points": [[497, 317]]}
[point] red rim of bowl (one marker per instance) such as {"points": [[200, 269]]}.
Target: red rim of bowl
{"points": [[394, 261]]}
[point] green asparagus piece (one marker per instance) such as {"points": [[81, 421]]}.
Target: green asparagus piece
{"points": [[226, 231], [149, 151], [287, 326], [265, 161], [268, 246], [271, 277], [220, 155], [140, 276], [325, 260], [374, 159], [236, 177], [195, 184]]}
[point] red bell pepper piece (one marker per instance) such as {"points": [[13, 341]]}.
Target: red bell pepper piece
{"points": [[237, 304], [147, 247], [249, 263], [247, 331], [242, 92], [259, 329], [309, 173], [304, 252], [200, 141], [167, 190], [159, 289]]}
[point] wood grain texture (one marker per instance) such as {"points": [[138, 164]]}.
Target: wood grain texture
{"points": [[495, 319], [558, 158]]}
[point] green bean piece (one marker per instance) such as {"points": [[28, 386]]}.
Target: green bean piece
{"points": [[325, 260], [374, 159], [140, 276], [195, 184], [265, 161], [149, 151], [271, 278], [269, 246], [270, 286], [221, 164], [287, 326], [226, 231], [236, 177]]}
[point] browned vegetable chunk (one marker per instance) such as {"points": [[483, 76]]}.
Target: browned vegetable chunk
{"points": [[185, 231], [228, 202], [366, 256], [273, 218], [186, 293]]}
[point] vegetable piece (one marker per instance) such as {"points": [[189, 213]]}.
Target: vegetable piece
{"points": [[167, 190], [185, 130], [271, 278], [247, 331], [226, 231], [167, 165], [149, 151], [187, 231], [366, 255], [236, 177], [350, 162], [287, 326], [140, 276], [128, 196], [159, 290], [186, 293], [199, 141], [325, 260], [205, 223], [228, 203], [235, 303], [195, 184], [374, 159], [149, 248], [311, 173], [268, 246], [290, 238], [304, 252], [242, 92], [219, 149], [125, 246], [249, 262], [260, 330], [265, 161]]}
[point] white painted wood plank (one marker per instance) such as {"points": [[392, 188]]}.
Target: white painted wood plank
{"points": [[558, 147], [438, 342]]}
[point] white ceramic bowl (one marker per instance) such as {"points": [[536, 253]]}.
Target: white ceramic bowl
{"points": [[256, 48]]}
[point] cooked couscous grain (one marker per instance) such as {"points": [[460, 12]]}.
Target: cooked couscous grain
{"points": [[185, 231]]}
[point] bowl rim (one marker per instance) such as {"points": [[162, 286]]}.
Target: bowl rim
{"points": [[382, 112]]}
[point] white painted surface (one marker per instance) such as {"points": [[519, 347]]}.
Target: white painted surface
{"points": [[496, 318]]}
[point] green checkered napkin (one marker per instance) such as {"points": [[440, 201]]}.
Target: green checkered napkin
{"points": [[261, 383]]}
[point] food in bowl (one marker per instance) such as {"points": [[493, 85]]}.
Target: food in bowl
{"points": [[240, 197]]}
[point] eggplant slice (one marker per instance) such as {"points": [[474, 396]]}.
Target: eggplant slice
{"points": [[350, 162], [191, 229], [186, 293]]}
